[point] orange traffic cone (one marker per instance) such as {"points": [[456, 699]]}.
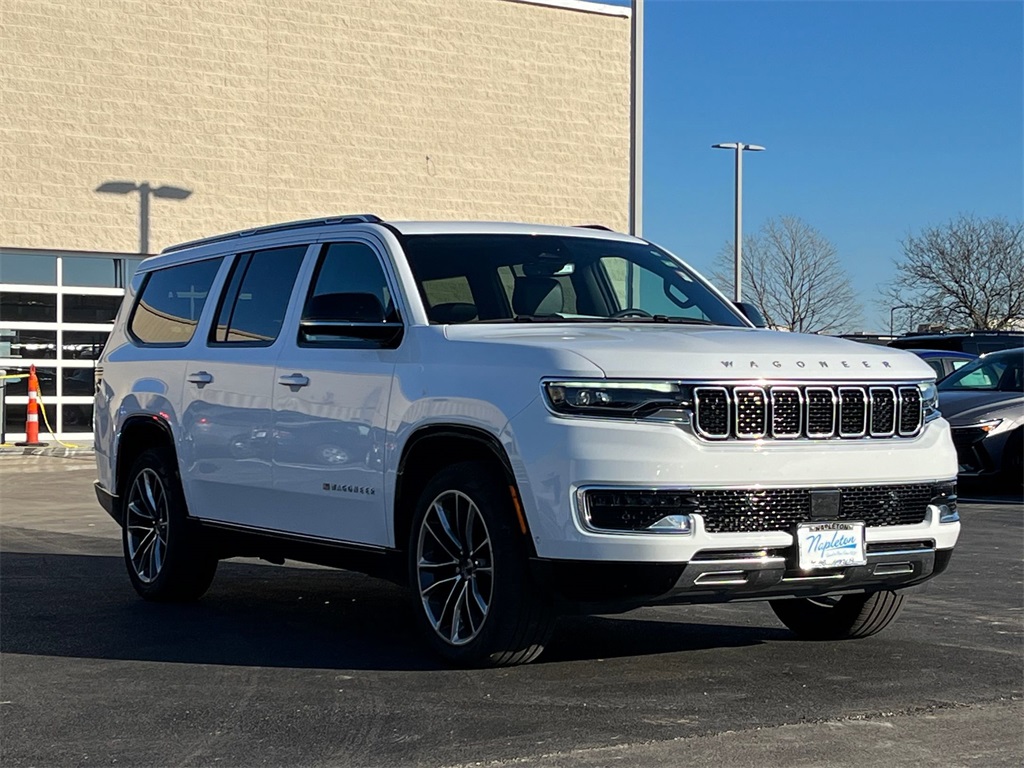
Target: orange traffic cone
{"points": [[32, 415]]}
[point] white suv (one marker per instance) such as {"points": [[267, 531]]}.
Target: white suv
{"points": [[511, 419]]}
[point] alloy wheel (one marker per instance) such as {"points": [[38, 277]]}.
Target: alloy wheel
{"points": [[455, 567], [146, 525]]}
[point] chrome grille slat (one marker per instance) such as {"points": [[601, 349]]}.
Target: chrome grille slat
{"points": [[853, 411], [787, 412], [817, 412], [911, 411], [821, 411], [751, 409], [711, 411], [883, 411]]}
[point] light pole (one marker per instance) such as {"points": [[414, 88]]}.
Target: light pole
{"points": [[145, 192], [636, 120], [739, 147], [893, 310]]}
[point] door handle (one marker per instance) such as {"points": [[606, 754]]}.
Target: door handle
{"points": [[293, 380], [200, 378]]}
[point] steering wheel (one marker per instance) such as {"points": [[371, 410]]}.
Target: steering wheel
{"points": [[631, 312]]}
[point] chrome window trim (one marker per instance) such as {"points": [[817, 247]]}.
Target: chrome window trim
{"points": [[807, 412], [895, 411], [736, 391], [865, 401], [696, 412]]}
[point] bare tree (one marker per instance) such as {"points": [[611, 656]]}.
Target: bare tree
{"points": [[792, 273], [968, 273]]}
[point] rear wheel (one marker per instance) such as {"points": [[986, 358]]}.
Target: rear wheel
{"points": [[475, 601], [839, 618], [1013, 463], [166, 557]]}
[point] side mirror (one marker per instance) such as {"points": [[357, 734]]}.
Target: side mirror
{"points": [[347, 317], [752, 313]]}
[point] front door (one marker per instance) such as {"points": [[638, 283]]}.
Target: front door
{"points": [[331, 398]]}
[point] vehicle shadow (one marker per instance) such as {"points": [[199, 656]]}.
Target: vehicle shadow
{"points": [[82, 606]]}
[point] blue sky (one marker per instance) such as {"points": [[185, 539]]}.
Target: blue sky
{"points": [[880, 117]]}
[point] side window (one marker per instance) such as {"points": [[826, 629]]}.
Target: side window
{"points": [[171, 301], [254, 304], [349, 301]]}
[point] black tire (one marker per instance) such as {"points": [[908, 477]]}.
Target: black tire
{"points": [[474, 599], [173, 567], [839, 618], [1013, 462]]}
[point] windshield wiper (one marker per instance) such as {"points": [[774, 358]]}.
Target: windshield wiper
{"points": [[672, 320], [559, 319]]}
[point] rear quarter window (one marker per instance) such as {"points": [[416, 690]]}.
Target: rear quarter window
{"points": [[171, 302]]}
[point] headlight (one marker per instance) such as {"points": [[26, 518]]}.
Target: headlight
{"points": [[929, 400], [989, 427], [621, 399]]}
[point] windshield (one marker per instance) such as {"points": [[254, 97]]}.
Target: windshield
{"points": [[999, 371], [540, 278]]}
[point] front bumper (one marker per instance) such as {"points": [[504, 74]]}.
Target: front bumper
{"points": [[715, 577]]}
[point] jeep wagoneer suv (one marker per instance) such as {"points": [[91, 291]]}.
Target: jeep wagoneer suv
{"points": [[511, 420]]}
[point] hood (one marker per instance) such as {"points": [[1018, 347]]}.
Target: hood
{"points": [[970, 406], [639, 350]]}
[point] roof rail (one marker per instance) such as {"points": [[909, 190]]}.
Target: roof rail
{"points": [[354, 218], [595, 226]]}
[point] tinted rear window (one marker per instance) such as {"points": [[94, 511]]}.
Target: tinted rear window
{"points": [[171, 302]]}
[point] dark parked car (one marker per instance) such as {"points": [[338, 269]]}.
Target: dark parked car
{"points": [[975, 342], [944, 361], [984, 404]]}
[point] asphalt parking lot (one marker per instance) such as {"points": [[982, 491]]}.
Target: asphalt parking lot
{"points": [[283, 665]]}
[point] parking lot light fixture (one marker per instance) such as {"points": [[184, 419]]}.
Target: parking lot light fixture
{"points": [[739, 148]]}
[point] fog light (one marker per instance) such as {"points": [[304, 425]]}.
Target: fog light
{"points": [[671, 524], [946, 513]]}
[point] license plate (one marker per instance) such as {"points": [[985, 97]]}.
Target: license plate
{"points": [[830, 545]]}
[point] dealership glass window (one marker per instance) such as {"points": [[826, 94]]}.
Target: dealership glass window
{"points": [[83, 345], [28, 307], [78, 382], [171, 302], [28, 269], [90, 309], [47, 378], [75, 417], [91, 271], [254, 304], [37, 345], [14, 414]]}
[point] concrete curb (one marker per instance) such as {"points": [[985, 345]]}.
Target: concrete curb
{"points": [[58, 451]]}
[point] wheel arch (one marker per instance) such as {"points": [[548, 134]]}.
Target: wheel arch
{"points": [[138, 433], [431, 448]]}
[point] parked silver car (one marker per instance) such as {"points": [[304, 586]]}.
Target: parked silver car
{"points": [[984, 404]]}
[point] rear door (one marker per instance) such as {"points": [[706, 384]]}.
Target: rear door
{"points": [[228, 387], [330, 399]]}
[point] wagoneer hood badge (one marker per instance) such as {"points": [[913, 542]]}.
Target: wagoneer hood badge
{"points": [[706, 353]]}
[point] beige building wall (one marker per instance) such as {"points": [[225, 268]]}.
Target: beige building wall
{"points": [[269, 110]]}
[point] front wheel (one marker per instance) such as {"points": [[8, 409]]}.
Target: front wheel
{"points": [[166, 557], [839, 618], [475, 600]]}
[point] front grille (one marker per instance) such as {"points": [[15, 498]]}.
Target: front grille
{"points": [[816, 412], [750, 510], [780, 509]]}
